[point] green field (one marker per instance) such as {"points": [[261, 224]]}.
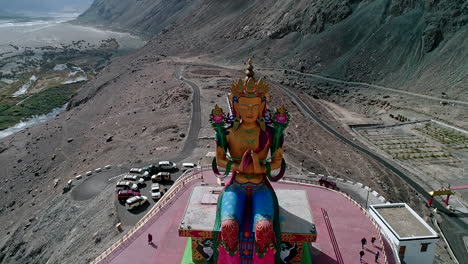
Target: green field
{"points": [[36, 104]]}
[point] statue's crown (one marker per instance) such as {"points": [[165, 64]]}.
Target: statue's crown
{"points": [[249, 88]]}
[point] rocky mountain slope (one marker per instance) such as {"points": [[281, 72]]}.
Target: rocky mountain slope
{"points": [[135, 110], [415, 45]]}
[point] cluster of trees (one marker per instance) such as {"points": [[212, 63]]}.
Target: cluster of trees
{"points": [[400, 118]]}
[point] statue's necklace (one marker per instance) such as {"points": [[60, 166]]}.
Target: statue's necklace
{"points": [[250, 141], [249, 131]]}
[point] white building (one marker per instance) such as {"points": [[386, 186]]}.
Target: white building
{"points": [[412, 239]]}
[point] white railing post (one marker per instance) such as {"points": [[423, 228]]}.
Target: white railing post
{"points": [[178, 185]]}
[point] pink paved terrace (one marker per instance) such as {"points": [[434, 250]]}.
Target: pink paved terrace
{"points": [[339, 221]]}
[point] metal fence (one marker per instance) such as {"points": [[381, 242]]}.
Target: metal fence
{"points": [[179, 184], [182, 182], [314, 182]]}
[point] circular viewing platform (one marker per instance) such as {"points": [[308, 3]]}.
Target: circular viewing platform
{"points": [[340, 225]]}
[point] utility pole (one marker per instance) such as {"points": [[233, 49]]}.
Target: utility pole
{"points": [[367, 199], [201, 170]]}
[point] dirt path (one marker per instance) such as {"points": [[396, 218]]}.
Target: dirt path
{"points": [[369, 85], [456, 228], [377, 87]]}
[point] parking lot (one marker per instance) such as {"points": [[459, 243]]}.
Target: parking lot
{"points": [[131, 217]]}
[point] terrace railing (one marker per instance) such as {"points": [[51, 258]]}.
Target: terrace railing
{"points": [[186, 178], [182, 182], [315, 182]]}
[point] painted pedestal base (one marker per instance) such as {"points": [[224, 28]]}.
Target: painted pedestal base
{"points": [[193, 256], [297, 225]]}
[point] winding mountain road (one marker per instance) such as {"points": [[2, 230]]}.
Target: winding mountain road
{"points": [[91, 186], [455, 229], [195, 123], [378, 87]]}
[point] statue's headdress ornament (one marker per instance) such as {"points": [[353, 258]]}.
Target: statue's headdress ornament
{"points": [[249, 88]]}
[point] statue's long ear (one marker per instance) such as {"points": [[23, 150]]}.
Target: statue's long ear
{"points": [[261, 109], [236, 108]]}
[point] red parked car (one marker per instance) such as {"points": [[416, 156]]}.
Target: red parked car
{"points": [[123, 195], [328, 183]]}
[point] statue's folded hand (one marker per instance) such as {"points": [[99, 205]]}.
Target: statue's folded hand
{"points": [[257, 167], [246, 161]]}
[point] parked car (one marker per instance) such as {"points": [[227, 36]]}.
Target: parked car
{"points": [[123, 195], [146, 176], [136, 170], [133, 178], [188, 165], [126, 185], [167, 165], [135, 201], [328, 183], [155, 191], [162, 176], [151, 169]]}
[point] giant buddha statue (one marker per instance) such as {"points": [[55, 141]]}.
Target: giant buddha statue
{"points": [[249, 145]]}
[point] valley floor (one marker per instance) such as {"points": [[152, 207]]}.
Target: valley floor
{"points": [[142, 108]]}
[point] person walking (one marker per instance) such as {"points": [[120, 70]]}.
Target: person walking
{"points": [[372, 240], [361, 254], [150, 238], [377, 256], [363, 242]]}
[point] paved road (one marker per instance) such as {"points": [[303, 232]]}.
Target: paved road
{"points": [[131, 218], [330, 79], [453, 226], [379, 87], [195, 124], [94, 184], [455, 229]]}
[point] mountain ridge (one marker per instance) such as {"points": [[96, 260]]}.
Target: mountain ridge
{"points": [[401, 43]]}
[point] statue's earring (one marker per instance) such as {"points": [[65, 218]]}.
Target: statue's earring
{"points": [[236, 124], [261, 122]]}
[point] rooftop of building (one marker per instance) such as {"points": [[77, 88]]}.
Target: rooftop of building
{"points": [[403, 221]]}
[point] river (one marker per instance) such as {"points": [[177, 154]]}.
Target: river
{"points": [[32, 121], [42, 34]]}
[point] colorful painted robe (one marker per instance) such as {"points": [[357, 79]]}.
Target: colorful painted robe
{"points": [[249, 204]]}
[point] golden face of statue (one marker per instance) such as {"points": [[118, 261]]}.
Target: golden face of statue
{"points": [[249, 109]]}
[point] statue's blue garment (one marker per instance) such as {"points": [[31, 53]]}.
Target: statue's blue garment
{"points": [[235, 197]]}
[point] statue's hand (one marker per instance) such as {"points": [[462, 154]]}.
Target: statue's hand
{"points": [[247, 161], [257, 167]]}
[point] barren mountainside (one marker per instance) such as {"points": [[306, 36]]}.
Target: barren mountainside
{"points": [[137, 110], [413, 45]]}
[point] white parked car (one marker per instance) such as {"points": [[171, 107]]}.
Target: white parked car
{"points": [[135, 201], [189, 165], [162, 176], [126, 185], [146, 175], [136, 170], [133, 178], [167, 165], [155, 191]]}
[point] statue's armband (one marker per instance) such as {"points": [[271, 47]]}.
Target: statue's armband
{"points": [[280, 122], [218, 122]]}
